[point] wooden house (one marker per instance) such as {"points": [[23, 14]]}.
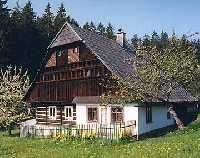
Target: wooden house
{"points": [[68, 87]]}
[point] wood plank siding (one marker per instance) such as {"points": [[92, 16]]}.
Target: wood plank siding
{"points": [[42, 116], [65, 81], [62, 80]]}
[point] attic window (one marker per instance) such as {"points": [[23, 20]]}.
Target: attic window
{"points": [[73, 55], [88, 73]]}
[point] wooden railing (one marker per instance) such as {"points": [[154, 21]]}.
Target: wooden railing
{"points": [[80, 70], [77, 65]]}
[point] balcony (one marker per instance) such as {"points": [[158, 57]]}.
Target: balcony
{"points": [[74, 71], [77, 65]]}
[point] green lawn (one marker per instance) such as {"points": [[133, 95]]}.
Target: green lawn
{"points": [[177, 144]]}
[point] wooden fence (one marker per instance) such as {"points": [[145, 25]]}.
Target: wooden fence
{"points": [[108, 131]]}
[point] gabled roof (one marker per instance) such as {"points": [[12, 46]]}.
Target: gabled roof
{"points": [[108, 51]]}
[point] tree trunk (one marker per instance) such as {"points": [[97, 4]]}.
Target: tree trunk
{"points": [[178, 121]]}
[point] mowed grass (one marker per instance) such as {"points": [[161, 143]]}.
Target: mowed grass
{"points": [[183, 144]]}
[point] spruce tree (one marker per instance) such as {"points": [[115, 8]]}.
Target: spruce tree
{"points": [[146, 40], [110, 31], [86, 26], [134, 41], [16, 39], [74, 22], [60, 18], [155, 39], [164, 40], [31, 45], [101, 28], [4, 33], [92, 26], [46, 22], [4, 11]]}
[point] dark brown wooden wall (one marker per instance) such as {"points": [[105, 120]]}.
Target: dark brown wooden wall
{"points": [[63, 83]]}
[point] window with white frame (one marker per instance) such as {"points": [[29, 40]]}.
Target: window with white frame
{"points": [[68, 112], [52, 112]]}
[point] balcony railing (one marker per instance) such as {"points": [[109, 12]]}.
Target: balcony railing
{"points": [[80, 70], [77, 65]]}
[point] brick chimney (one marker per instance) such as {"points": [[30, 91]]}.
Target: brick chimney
{"points": [[121, 37]]}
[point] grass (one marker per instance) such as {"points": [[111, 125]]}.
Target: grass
{"points": [[179, 144]]}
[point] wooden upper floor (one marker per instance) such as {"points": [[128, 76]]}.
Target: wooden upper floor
{"points": [[70, 71]]}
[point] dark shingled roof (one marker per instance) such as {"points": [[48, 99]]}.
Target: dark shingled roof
{"points": [[87, 100], [108, 51]]}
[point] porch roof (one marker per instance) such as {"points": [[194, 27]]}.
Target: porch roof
{"points": [[87, 100]]}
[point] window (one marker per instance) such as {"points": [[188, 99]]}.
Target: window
{"points": [[52, 112], [92, 114], [148, 114], [73, 55], [88, 73], [68, 112], [117, 114]]}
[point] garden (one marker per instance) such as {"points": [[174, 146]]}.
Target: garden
{"points": [[181, 143]]}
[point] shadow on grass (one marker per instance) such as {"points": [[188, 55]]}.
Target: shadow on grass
{"points": [[14, 133]]}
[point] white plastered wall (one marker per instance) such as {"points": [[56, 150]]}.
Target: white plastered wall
{"points": [[159, 119], [130, 113]]}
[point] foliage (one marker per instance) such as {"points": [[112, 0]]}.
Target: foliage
{"points": [[101, 28], [60, 18], [4, 32], [22, 21], [157, 72], [179, 144], [110, 31], [83, 135], [46, 23], [13, 86], [24, 37], [107, 31]]}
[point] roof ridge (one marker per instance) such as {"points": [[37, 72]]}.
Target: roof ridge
{"points": [[128, 49]]}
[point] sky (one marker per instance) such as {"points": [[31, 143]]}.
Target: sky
{"points": [[133, 16]]}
